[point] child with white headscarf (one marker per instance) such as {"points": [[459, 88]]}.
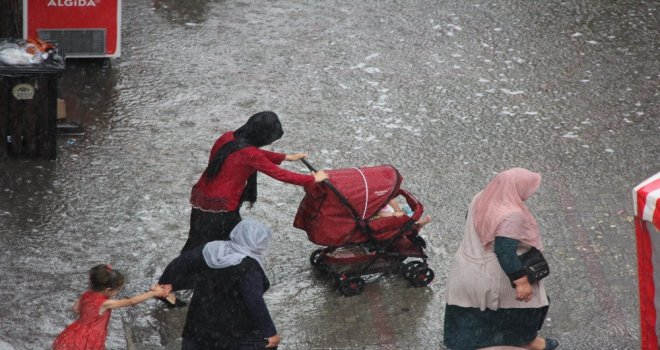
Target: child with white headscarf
{"points": [[227, 309]]}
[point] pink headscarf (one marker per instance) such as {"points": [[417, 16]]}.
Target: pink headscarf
{"points": [[499, 209]]}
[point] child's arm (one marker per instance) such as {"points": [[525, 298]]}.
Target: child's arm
{"points": [[156, 291]]}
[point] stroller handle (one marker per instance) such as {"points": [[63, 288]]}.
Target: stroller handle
{"points": [[308, 164]]}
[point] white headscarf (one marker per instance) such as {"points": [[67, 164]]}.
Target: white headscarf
{"points": [[249, 238]]}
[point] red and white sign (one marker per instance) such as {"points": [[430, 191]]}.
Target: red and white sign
{"points": [[85, 28], [646, 199]]}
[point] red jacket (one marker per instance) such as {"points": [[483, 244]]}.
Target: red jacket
{"points": [[223, 192]]}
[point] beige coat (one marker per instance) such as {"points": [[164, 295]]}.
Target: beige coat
{"points": [[477, 280]]}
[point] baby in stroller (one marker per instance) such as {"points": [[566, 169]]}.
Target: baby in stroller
{"points": [[344, 215], [392, 208]]}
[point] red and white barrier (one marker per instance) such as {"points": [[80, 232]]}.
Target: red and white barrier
{"points": [[646, 199]]}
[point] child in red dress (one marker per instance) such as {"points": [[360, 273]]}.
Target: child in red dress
{"points": [[89, 331]]}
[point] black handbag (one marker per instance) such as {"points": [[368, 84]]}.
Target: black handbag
{"points": [[535, 265]]}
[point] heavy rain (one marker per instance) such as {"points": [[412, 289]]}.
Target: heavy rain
{"points": [[447, 92]]}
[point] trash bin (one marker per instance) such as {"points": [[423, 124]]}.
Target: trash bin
{"points": [[646, 200], [29, 74]]}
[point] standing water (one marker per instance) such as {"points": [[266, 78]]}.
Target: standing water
{"points": [[447, 92]]}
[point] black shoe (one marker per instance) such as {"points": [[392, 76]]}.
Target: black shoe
{"points": [[550, 344], [177, 302]]}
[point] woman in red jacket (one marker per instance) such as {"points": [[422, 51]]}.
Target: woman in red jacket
{"points": [[231, 179]]}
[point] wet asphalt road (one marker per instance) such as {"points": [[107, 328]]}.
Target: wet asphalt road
{"points": [[447, 92]]}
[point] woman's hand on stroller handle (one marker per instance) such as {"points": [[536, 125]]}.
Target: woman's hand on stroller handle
{"points": [[320, 176], [295, 156]]}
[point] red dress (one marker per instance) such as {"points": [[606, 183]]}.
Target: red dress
{"points": [[89, 331]]}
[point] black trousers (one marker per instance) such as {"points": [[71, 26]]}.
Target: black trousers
{"points": [[209, 226]]}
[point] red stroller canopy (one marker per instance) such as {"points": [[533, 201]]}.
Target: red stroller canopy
{"points": [[330, 222]]}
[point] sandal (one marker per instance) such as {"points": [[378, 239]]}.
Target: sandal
{"points": [[177, 302]]}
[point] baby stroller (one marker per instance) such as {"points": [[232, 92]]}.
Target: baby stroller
{"points": [[338, 214]]}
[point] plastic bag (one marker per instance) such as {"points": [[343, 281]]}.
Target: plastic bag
{"points": [[15, 54]]}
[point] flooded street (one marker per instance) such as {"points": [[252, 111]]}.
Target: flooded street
{"points": [[449, 93]]}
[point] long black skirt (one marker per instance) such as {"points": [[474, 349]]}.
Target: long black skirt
{"points": [[208, 226], [218, 342], [470, 328]]}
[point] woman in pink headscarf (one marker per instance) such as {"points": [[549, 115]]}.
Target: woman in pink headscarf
{"points": [[483, 309]]}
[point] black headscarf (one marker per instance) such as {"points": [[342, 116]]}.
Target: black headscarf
{"points": [[261, 129]]}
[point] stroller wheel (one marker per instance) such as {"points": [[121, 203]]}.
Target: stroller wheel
{"points": [[315, 258], [421, 277], [351, 286], [409, 267]]}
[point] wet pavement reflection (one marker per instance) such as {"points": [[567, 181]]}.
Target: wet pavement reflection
{"points": [[448, 93]]}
